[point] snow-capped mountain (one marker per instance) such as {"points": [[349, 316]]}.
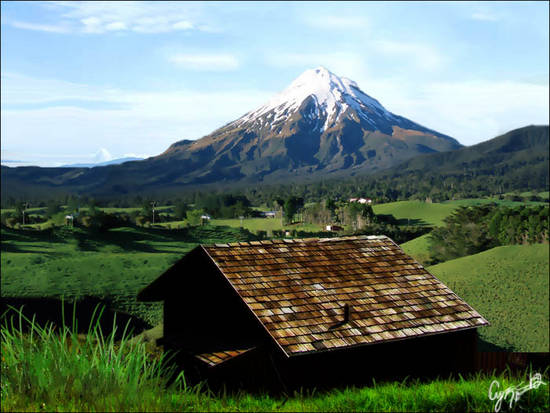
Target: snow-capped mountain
{"points": [[320, 123], [105, 163], [332, 95]]}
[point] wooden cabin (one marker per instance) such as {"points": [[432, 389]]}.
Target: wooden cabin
{"points": [[311, 312]]}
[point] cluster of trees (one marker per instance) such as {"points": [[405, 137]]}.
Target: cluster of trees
{"points": [[333, 211], [225, 205], [470, 230]]}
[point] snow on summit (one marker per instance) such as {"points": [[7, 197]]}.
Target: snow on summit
{"points": [[332, 94]]}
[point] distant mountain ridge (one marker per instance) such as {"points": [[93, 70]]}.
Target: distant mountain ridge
{"points": [[518, 159], [321, 126], [522, 155], [105, 163]]}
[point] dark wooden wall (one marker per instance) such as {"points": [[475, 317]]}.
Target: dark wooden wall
{"points": [[427, 357], [205, 312]]}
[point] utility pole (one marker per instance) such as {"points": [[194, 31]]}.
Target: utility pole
{"points": [[153, 205]]}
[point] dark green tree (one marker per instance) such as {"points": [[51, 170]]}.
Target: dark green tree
{"points": [[52, 208], [291, 206], [180, 211]]}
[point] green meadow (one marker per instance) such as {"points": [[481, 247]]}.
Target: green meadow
{"points": [[418, 248], [265, 224], [425, 213], [509, 287], [416, 212], [113, 265]]}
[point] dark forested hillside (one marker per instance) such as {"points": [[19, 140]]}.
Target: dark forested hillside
{"points": [[516, 161]]}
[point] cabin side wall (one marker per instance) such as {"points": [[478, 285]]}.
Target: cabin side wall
{"points": [[424, 357], [204, 312]]}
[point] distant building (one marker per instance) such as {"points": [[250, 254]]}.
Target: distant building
{"points": [[268, 214], [206, 217], [367, 201], [69, 220], [334, 228]]}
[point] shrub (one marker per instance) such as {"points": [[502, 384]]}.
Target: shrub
{"points": [[11, 221], [141, 220]]}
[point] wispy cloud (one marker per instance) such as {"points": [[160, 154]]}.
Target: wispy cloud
{"points": [[206, 62], [484, 16], [336, 22], [21, 90], [98, 17], [144, 121], [39, 27]]}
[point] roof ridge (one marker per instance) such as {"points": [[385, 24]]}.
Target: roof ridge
{"points": [[294, 240]]}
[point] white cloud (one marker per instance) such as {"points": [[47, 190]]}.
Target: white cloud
{"points": [[185, 25], [205, 61], [484, 16], [39, 27], [116, 26], [145, 122], [335, 22], [97, 17], [102, 155], [19, 89]]}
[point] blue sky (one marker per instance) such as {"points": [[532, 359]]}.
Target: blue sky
{"points": [[84, 82]]}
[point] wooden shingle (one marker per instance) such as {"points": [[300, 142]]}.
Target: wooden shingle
{"points": [[298, 290]]}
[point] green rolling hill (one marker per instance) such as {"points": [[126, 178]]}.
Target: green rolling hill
{"points": [[509, 287]]}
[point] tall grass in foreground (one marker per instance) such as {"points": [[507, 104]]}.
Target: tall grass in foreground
{"points": [[44, 369]]}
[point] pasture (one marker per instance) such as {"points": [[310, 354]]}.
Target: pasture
{"points": [[265, 224], [416, 212], [509, 286], [425, 213], [113, 265], [418, 248]]}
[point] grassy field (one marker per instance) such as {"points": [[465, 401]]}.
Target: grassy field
{"points": [[509, 287], [423, 213], [499, 283], [43, 370], [416, 212], [480, 201], [418, 248], [113, 265], [265, 224]]}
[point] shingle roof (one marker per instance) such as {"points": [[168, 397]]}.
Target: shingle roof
{"points": [[218, 357], [298, 290]]}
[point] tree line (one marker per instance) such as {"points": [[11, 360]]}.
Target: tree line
{"points": [[470, 230]]}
